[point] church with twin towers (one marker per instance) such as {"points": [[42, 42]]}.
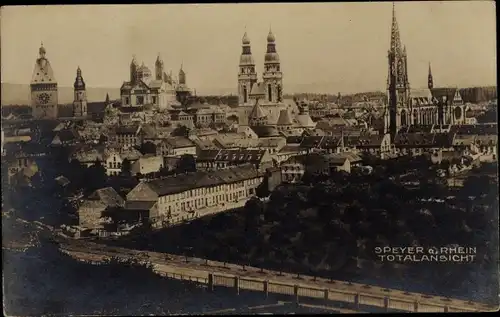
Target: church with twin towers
{"points": [[270, 89]]}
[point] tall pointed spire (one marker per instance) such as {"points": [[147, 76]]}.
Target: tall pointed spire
{"points": [[395, 38], [430, 80]]}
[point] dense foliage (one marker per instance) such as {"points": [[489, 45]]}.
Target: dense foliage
{"points": [[330, 226]]}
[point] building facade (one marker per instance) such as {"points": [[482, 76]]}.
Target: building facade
{"points": [[143, 89], [44, 95], [80, 96], [407, 106], [184, 195]]}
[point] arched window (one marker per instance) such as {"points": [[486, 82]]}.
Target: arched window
{"points": [[245, 94], [403, 118], [269, 92]]}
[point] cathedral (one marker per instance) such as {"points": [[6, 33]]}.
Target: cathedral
{"points": [[261, 103], [407, 106], [145, 89], [44, 95]]}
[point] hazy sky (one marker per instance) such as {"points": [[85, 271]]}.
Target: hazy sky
{"points": [[327, 47]]}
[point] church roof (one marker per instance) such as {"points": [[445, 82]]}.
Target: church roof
{"points": [[446, 92], [155, 84], [305, 121], [284, 118], [257, 112], [258, 90], [265, 131], [43, 72]]}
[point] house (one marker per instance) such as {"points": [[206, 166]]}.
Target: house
{"points": [[343, 161], [185, 195], [128, 135], [337, 163], [147, 164], [176, 146], [135, 212], [376, 144], [91, 211], [203, 145], [65, 137], [88, 156], [288, 151], [114, 158], [219, 159], [294, 168]]}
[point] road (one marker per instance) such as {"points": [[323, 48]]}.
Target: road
{"points": [[200, 268]]}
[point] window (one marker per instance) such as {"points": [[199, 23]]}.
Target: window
{"points": [[127, 101], [139, 100], [269, 92], [153, 98]]}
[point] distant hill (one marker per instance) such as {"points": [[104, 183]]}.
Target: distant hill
{"points": [[19, 94]]}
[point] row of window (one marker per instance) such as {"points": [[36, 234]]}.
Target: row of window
{"points": [[204, 191], [206, 202]]}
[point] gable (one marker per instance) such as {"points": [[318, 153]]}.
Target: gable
{"points": [[142, 192], [43, 73], [139, 87], [457, 96]]}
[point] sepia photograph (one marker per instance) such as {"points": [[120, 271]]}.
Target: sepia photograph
{"points": [[249, 158]]}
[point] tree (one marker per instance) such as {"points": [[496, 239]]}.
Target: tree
{"points": [[148, 148], [262, 191], [95, 177], [126, 167], [181, 130], [186, 164]]}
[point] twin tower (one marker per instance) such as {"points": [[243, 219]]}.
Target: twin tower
{"points": [[270, 90]]}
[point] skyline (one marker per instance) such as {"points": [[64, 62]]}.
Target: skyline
{"points": [[346, 53]]}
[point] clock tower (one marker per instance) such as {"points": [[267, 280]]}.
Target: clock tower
{"points": [[43, 89], [80, 100]]}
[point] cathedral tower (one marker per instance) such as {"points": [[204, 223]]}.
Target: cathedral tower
{"points": [[272, 76], [80, 97], [182, 77], [247, 75], [133, 70], [159, 69], [43, 88], [398, 87], [430, 81]]}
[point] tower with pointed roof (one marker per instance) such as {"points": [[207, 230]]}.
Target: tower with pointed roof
{"points": [[430, 81], [80, 96], [133, 69], [257, 116], [398, 87], [43, 88], [159, 69], [247, 76], [182, 76], [272, 76]]}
